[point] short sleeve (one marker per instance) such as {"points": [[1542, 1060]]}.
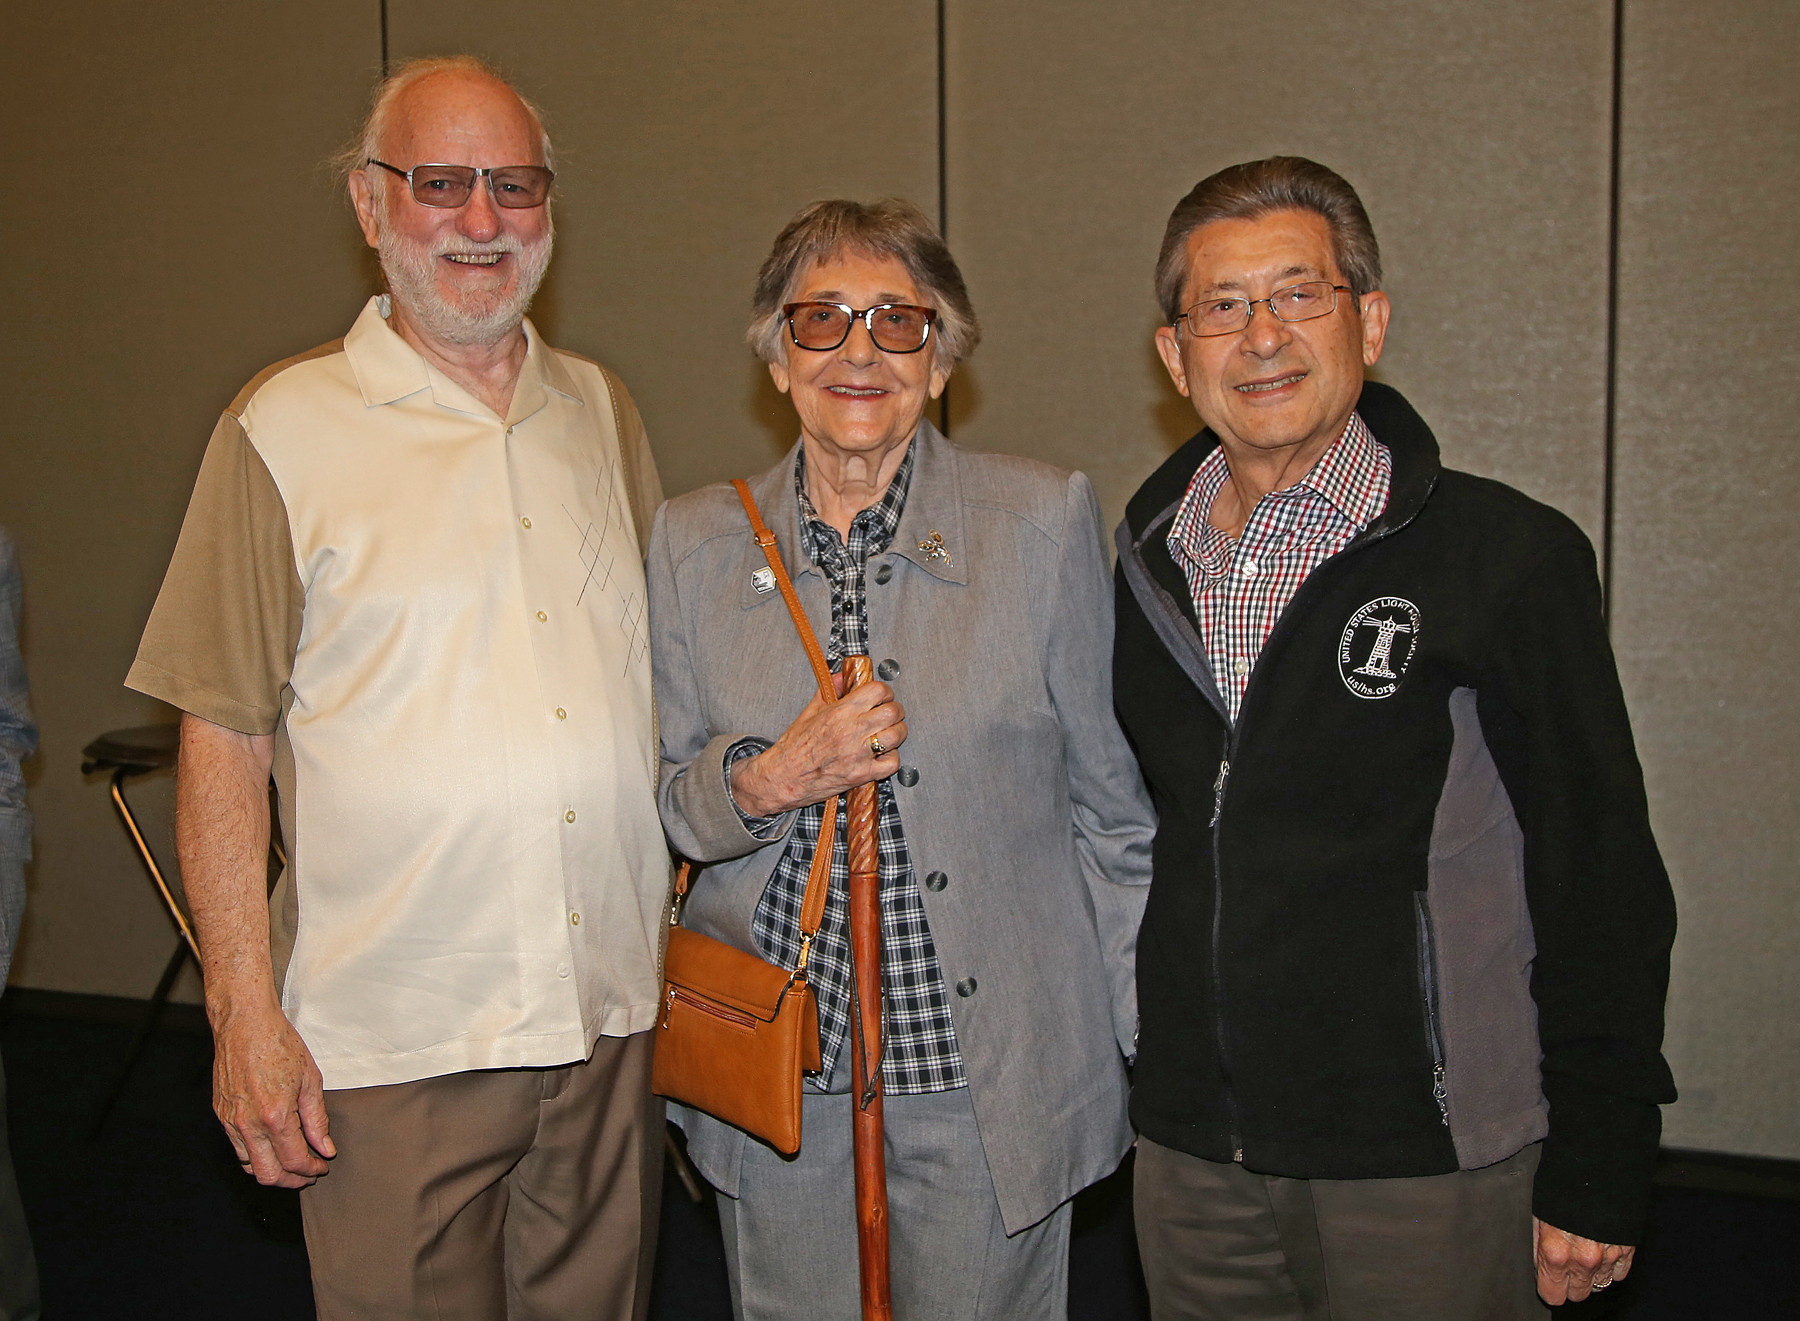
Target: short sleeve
{"points": [[221, 638]]}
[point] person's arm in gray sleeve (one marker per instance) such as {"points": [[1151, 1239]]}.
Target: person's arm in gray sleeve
{"points": [[1114, 823]]}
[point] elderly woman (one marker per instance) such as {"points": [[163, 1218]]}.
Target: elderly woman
{"points": [[1015, 833]]}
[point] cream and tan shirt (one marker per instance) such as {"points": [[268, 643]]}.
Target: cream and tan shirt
{"points": [[440, 615]]}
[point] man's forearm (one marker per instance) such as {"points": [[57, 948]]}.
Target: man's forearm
{"points": [[222, 839]]}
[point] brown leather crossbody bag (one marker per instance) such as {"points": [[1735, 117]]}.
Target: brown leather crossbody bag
{"points": [[736, 1031]]}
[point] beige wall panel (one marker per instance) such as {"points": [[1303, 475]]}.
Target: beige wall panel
{"points": [[186, 239], [1706, 613], [1476, 134], [687, 133]]}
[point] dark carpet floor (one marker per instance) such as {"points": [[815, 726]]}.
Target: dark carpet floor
{"points": [[153, 1219]]}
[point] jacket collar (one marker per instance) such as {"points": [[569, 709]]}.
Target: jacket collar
{"points": [[933, 515], [388, 369]]}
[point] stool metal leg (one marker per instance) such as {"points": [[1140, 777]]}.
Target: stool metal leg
{"points": [[143, 847], [185, 947]]}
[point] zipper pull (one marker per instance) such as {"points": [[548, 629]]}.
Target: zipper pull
{"points": [[668, 1007], [1440, 1093], [1219, 791]]}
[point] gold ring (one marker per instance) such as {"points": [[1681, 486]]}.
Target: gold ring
{"points": [[876, 747]]}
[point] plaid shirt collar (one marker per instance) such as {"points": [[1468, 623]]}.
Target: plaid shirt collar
{"points": [[1347, 477]]}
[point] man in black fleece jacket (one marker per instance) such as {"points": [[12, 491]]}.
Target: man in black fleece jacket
{"points": [[1401, 977]]}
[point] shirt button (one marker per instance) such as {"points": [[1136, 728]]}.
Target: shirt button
{"points": [[562, 970], [561, 714], [908, 776], [966, 987], [543, 618], [888, 669], [1249, 568], [936, 880], [884, 573], [569, 815], [574, 919], [524, 522], [1240, 667]]}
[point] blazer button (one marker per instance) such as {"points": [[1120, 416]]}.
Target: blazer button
{"points": [[936, 880], [908, 777], [888, 670], [884, 573], [966, 987]]}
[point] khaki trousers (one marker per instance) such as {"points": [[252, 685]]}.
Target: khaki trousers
{"points": [[499, 1195], [1220, 1243]]}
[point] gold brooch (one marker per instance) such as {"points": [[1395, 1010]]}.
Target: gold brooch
{"points": [[933, 546]]}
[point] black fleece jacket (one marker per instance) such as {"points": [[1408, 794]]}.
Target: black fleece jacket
{"points": [[1352, 958]]}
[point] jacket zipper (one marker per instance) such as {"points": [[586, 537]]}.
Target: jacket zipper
{"points": [[1218, 927], [1428, 996]]}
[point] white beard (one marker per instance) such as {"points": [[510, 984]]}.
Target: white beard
{"points": [[473, 316]]}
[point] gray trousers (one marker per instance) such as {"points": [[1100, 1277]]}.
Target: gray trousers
{"points": [[1220, 1243], [790, 1234]]}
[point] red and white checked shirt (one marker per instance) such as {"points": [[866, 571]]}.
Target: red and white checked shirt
{"points": [[1241, 587]]}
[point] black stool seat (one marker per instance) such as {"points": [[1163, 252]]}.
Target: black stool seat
{"points": [[136, 751]]}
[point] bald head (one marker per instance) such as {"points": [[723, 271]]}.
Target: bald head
{"points": [[393, 90]]}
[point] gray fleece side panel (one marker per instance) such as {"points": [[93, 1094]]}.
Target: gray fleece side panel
{"points": [[1162, 611], [1484, 942]]}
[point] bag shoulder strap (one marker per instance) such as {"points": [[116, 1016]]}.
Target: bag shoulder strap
{"points": [[818, 880], [772, 553]]}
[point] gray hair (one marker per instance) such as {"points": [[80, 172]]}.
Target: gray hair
{"points": [[1255, 189], [892, 227], [367, 143]]}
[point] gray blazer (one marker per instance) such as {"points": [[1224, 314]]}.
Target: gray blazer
{"points": [[1027, 796]]}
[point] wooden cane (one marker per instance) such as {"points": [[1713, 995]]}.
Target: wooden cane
{"points": [[865, 948]]}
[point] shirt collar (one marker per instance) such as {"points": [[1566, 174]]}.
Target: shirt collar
{"points": [[1346, 475], [388, 369]]}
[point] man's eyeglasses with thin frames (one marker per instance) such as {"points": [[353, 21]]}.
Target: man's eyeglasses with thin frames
{"points": [[515, 187], [1296, 302]]}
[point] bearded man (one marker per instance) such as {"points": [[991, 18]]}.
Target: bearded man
{"points": [[410, 587]]}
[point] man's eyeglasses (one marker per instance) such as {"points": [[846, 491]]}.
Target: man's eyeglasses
{"points": [[1297, 302], [513, 186], [895, 327]]}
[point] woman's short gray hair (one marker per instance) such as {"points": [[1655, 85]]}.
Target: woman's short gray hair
{"points": [[1255, 189], [367, 144], [892, 227]]}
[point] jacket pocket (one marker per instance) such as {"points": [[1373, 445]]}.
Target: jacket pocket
{"points": [[1428, 997]]}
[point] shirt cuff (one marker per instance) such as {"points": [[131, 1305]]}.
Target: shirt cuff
{"points": [[762, 827]]}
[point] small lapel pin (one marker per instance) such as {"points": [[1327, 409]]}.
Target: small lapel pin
{"points": [[763, 579], [933, 546]]}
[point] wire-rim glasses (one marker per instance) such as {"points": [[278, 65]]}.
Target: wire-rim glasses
{"points": [[515, 187], [1295, 302], [895, 327]]}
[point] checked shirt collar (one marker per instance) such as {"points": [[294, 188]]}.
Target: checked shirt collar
{"points": [[1241, 587]]}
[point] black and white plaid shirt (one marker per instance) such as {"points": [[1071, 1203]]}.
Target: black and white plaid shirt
{"points": [[921, 1053]]}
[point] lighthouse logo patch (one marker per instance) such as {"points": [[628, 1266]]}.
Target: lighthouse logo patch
{"points": [[1377, 646]]}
